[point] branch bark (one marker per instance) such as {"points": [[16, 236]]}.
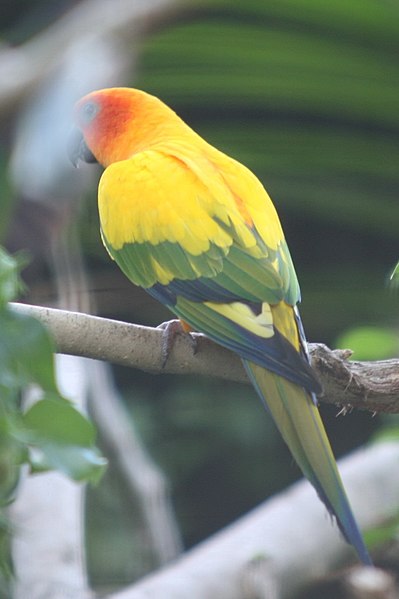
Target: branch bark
{"points": [[370, 386], [289, 535]]}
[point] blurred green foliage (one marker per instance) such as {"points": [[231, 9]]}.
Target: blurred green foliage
{"points": [[395, 276], [51, 433], [370, 342]]}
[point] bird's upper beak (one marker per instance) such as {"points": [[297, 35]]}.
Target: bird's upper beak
{"points": [[78, 150]]}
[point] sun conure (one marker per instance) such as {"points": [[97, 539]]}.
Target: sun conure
{"points": [[198, 231]]}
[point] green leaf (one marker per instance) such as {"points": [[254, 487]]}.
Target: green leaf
{"points": [[61, 438], [12, 455], [26, 351], [394, 278], [79, 463], [370, 342], [57, 422], [6, 566], [383, 534], [10, 283], [386, 434]]}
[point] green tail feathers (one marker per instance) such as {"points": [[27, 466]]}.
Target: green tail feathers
{"points": [[299, 422]]}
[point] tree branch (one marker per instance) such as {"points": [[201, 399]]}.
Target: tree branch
{"points": [[143, 477], [289, 535], [24, 68], [370, 386]]}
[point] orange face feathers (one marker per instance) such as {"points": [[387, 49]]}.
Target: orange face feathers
{"points": [[118, 122], [104, 117], [104, 114]]}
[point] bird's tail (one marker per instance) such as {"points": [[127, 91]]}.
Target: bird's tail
{"points": [[298, 419]]}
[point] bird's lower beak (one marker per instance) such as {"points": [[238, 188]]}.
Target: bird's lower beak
{"points": [[78, 150]]}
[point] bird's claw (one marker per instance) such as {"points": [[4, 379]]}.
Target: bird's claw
{"points": [[171, 329]]}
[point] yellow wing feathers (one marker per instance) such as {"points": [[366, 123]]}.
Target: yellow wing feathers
{"points": [[153, 197]]}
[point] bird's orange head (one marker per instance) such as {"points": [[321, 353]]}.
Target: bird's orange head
{"points": [[115, 123]]}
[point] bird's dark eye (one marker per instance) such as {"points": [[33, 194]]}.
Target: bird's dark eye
{"points": [[89, 111]]}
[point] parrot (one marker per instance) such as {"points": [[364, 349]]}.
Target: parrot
{"points": [[197, 230]]}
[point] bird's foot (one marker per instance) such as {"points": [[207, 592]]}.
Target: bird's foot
{"points": [[171, 329]]}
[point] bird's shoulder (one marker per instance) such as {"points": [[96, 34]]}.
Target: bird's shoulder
{"points": [[169, 193]]}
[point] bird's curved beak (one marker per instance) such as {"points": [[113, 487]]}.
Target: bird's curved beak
{"points": [[78, 150]]}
